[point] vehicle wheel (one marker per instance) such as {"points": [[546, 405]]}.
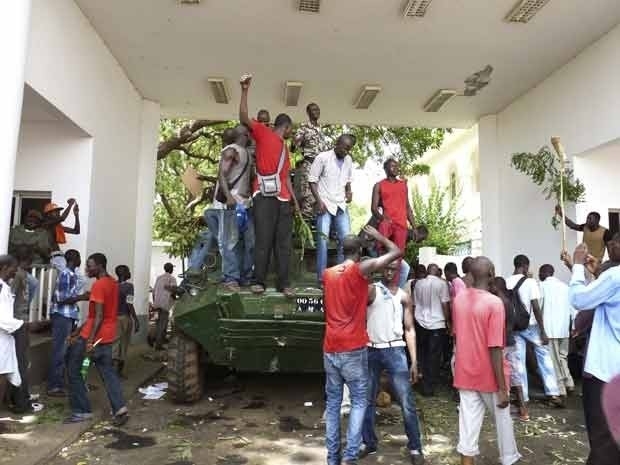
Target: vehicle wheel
{"points": [[185, 370]]}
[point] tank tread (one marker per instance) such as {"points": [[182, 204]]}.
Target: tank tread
{"points": [[185, 370]]}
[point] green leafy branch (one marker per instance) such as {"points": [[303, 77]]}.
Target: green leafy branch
{"points": [[544, 168]]}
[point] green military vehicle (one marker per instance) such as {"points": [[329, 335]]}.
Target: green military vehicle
{"points": [[266, 333]]}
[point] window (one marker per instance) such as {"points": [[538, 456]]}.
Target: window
{"points": [[614, 220], [23, 201]]}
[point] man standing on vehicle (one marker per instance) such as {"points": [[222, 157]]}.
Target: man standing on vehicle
{"points": [[311, 140], [391, 206], [273, 193], [345, 355], [233, 201], [390, 317], [330, 179]]}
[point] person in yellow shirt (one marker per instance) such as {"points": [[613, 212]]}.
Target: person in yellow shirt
{"points": [[595, 236]]}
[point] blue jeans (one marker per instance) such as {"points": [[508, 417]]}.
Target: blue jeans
{"points": [[350, 368], [543, 357], [404, 274], [33, 287], [394, 360], [237, 248], [208, 239], [101, 357], [61, 330], [323, 225]]}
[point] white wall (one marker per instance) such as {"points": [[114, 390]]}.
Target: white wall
{"points": [[51, 157], [595, 169], [71, 67], [580, 102], [458, 154]]}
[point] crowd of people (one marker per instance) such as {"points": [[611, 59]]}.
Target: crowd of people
{"points": [[102, 335], [479, 324]]}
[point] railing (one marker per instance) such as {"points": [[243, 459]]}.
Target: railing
{"points": [[41, 303]]}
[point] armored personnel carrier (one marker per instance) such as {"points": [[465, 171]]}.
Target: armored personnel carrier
{"points": [[246, 332]]}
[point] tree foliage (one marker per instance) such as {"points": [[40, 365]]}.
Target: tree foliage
{"points": [[197, 143], [439, 213], [544, 168]]}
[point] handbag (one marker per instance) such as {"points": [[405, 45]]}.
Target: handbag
{"points": [[271, 184]]}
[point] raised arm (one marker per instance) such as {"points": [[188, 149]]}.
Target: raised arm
{"points": [[570, 223], [244, 116], [407, 303], [368, 267], [76, 227]]}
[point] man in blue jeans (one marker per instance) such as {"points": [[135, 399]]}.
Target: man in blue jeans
{"points": [[95, 340], [64, 315], [330, 179], [345, 356], [389, 308]]}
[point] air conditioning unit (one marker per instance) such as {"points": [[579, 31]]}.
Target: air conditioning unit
{"points": [[309, 6], [441, 97], [366, 97], [292, 91], [525, 10], [416, 8]]}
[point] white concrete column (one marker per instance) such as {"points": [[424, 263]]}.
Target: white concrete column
{"points": [[147, 164], [490, 190], [14, 32]]}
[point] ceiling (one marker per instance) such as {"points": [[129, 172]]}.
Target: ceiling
{"points": [[169, 50]]}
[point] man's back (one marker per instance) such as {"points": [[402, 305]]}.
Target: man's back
{"points": [[346, 299], [479, 324], [555, 307], [429, 294], [162, 297]]}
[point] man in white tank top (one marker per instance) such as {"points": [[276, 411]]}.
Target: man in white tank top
{"points": [[389, 319]]}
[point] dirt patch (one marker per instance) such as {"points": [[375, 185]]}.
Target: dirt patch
{"points": [[291, 424], [232, 460], [126, 441]]}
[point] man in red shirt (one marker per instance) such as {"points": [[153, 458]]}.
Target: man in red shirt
{"points": [[95, 339], [272, 193], [345, 355], [391, 206], [481, 370]]}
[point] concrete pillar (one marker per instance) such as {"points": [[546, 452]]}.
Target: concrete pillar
{"points": [[147, 163], [490, 190], [14, 32]]}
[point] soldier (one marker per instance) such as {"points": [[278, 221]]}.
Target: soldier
{"points": [[311, 140]]}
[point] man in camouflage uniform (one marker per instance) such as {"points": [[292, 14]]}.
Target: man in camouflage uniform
{"points": [[311, 141]]}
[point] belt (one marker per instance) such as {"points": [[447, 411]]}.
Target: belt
{"points": [[385, 345]]}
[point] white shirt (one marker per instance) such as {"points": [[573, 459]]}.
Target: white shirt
{"points": [[384, 319], [331, 179], [556, 309], [8, 325], [527, 292], [429, 295]]}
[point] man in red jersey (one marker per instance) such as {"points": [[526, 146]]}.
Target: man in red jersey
{"points": [[391, 207], [345, 356], [480, 370]]}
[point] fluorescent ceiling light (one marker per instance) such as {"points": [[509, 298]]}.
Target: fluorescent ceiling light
{"points": [[218, 89], [525, 10], [189, 2], [366, 97], [292, 91], [310, 6], [416, 8], [441, 97]]}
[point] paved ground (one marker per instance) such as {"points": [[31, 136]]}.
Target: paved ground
{"points": [[262, 420]]}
